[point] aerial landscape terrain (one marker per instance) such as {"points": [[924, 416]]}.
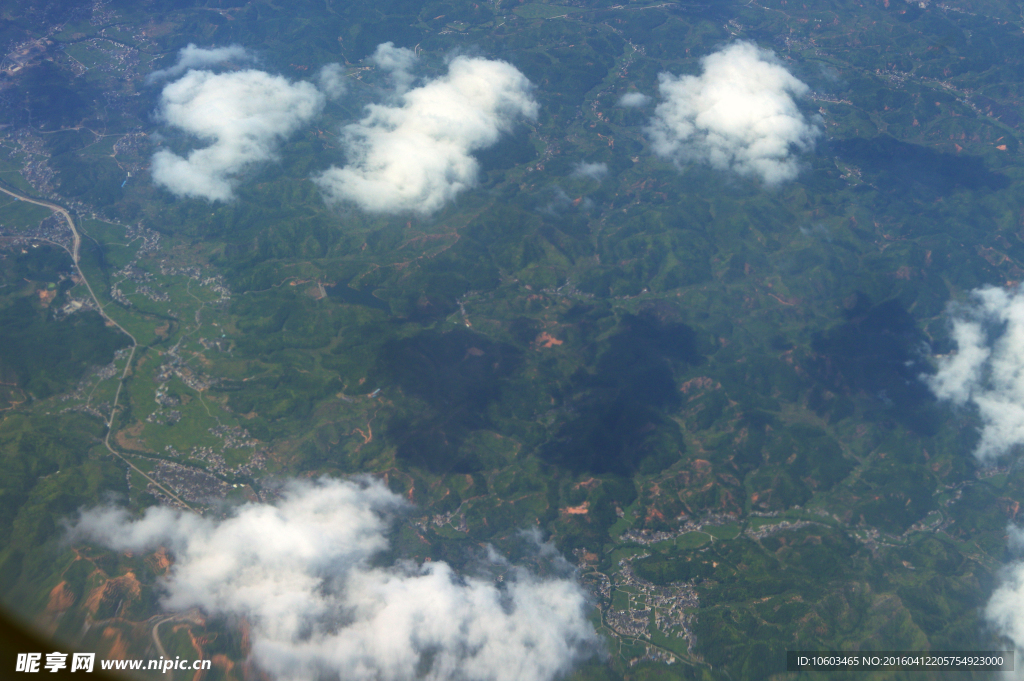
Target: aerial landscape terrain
{"points": [[500, 340]]}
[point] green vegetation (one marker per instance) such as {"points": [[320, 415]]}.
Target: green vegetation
{"points": [[536, 10], [20, 214], [53, 469], [605, 359], [39, 353]]}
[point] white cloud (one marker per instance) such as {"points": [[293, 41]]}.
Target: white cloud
{"points": [[332, 80], [300, 572], [416, 155], [1005, 608], [398, 61], [738, 115], [633, 100], [594, 171], [192, 57], [987, 370], [244, 115], [1015, 540]]}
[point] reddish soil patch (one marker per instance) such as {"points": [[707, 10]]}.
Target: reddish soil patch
{"points": [[61, 598], [119, 647], [546, 340]]}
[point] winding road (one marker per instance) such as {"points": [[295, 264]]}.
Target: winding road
{"points": [[56, 209], [74, 253]]}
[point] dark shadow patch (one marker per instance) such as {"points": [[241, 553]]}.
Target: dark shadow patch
{"points": [[458, 374], [878, 353], [900, 166], [49, 98], [511, 150], [616, 435], [620, 426]]}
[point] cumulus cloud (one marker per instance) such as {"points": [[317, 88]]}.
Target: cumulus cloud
{"points": [[398, 61], [332, 81], [416, 155], [987, 370], [594, 171], [301, 573], [244, 115], [633, 100], [738, 115], [1005, 609], [193, 57]]}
